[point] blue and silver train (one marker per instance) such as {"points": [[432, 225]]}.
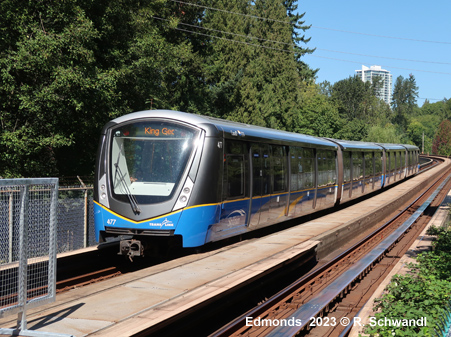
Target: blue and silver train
{"points": [[195, 179]]}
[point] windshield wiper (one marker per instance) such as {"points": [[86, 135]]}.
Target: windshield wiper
{"points": [[131, 197]]}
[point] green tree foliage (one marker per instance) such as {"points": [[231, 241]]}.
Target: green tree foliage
{"points": [[442, 141], [358, 106], [256, 78], [69, 67], [383, 134], [307, 74], [317, 116], [356, 100], [404, 102]]}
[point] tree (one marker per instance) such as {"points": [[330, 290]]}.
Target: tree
{"points": [[383, 134], [442, 141], [68, 68], [307, 74], [256, 77], [356, 100], [404, 100], [318, 116]]}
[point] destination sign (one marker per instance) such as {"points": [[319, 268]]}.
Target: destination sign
{"points": [[157, 131], [153, 130]]}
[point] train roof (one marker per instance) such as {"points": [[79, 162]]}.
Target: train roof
{"points": [[349, 145], [233, 130], [403, 147], [411, 147], [228, 129]]}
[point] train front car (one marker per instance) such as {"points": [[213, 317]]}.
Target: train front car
{"points": [[146, 180]]}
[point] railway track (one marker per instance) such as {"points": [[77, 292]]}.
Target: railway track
{"points": [[324, 302]]}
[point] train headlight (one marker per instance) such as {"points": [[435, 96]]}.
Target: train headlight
{"points": [[102, 187], [184, 194], [103, 195]]}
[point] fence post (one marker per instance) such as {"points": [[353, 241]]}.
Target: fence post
{"points": [[11, 226], [85, 214], [23, 236]]}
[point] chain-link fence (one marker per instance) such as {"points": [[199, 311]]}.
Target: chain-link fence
{"points": [[75, 215], [74, 212], [28, 249]]}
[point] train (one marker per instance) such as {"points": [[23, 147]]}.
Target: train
{"points": [[170, 177]]}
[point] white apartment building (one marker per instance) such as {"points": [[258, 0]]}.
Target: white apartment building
{"points": [[367, 74]]}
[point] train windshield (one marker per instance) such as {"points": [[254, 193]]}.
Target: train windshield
{"points": [[148, 160]]}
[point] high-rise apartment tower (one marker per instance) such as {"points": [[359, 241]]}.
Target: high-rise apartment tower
{"points": [[368, 74]]}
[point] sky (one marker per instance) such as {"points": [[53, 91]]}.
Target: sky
{"points": [[404, 37]]}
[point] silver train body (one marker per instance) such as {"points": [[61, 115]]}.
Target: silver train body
{"points": [[170, 174]]}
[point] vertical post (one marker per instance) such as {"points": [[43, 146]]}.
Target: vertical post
{"points": [[52, 241], [85, 215], [422, 146], [11, 225], [85, 231], [23, 235]]}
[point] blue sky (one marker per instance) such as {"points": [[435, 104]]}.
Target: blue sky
{"points": [[404, 30]]}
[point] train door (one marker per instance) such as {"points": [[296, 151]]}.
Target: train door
{"points": [[279, 184], [261, 183], [235, 206]]}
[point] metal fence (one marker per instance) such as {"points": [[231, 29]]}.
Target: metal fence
{"points": [[75, 214], [28, 245]]}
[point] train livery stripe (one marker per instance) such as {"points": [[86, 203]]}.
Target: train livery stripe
{"points": [[136, 222]]}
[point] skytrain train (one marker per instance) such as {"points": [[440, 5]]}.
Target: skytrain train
{"points": [[170, 176]]}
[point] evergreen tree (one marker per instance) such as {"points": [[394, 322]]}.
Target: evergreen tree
{"points": [[256, 78], [404, 100], [307, 74]]}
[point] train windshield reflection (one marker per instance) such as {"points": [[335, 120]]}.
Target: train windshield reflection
{"points": [[148, 159]]}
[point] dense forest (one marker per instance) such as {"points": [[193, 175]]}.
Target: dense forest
{"points": [[68, 67]]}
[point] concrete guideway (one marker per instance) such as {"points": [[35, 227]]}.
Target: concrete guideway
{"points": [[132, 302]]}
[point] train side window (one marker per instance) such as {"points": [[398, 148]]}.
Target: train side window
{"points": [[326, 168], [296, 168], [308, 168], [235, 176], [378, 163], [393, 163], [235, 163], [347, 167], [369, 165], [357, 167], [279, 168]]}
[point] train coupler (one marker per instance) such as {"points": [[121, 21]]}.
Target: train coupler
{"points": [[131, 248]]}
